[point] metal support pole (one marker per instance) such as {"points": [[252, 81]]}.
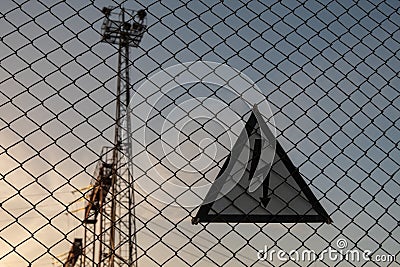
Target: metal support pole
{"points": [[118, 230], [117, 141]]}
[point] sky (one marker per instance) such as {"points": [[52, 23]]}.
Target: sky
{"points": [[329, 71]]}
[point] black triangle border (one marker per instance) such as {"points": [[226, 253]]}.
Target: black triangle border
{"points": [[203, 215]]}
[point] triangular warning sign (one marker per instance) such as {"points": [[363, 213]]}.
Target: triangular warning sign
{"points": [[281, 196]]}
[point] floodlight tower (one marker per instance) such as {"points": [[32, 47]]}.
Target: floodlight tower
{"points": [[111, 240]]}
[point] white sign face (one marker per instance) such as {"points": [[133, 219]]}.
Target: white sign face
{"points": [[283, 196]]}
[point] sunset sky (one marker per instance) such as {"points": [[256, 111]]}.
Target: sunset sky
{"points": [[329, 71]]}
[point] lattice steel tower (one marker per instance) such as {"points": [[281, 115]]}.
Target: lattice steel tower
{"points": [[110, 229]]}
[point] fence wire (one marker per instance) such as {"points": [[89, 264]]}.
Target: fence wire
{"points": [[329, 71]]}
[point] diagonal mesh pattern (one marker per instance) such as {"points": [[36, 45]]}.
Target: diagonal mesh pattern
{"points": [[329, 71]]}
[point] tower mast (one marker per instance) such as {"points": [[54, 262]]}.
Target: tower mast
{"points": [[112, 241]]}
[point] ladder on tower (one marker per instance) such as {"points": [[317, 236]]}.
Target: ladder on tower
{"points": [[99, 192]]}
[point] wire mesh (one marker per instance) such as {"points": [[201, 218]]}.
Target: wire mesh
{"points": [[329, 71]]}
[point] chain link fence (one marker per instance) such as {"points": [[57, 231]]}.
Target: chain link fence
{"points": [[328, 70]]}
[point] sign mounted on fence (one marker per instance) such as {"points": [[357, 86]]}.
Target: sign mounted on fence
{"points": [[251, 190]]}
